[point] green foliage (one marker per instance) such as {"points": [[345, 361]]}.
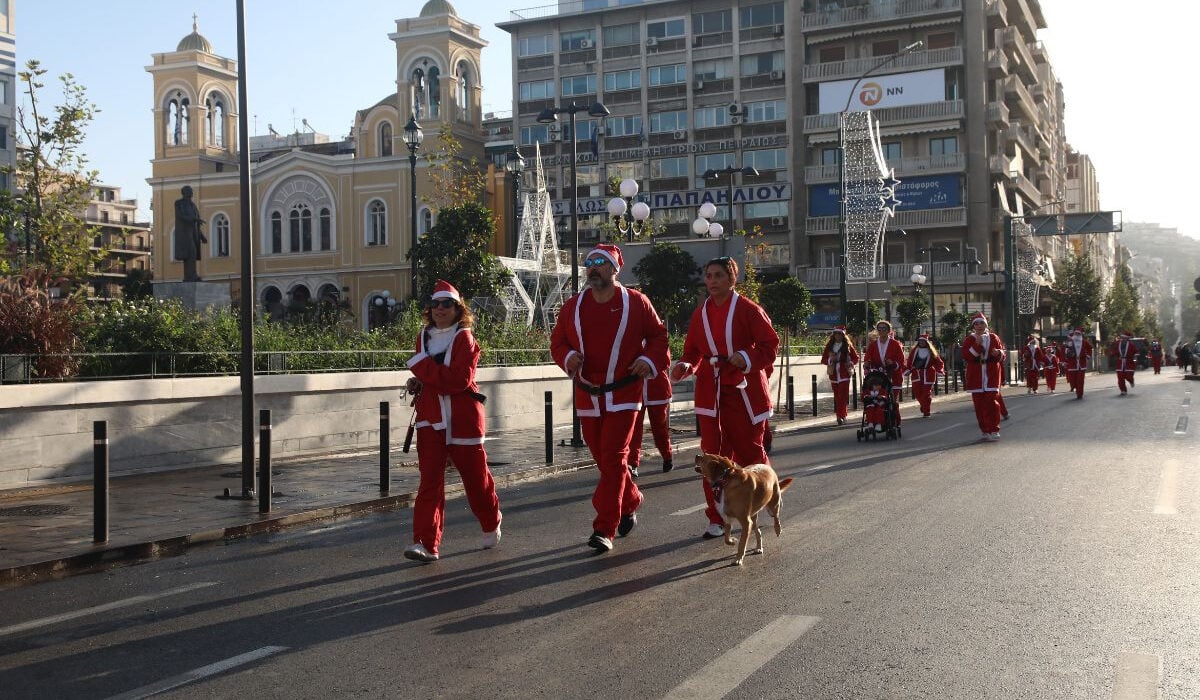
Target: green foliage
{"points": [[667, 275], [856, 317], [456, 250], [789, 304], [138, 284], [952, 328], [913, 310], [1148, 328], [1077, 293], [1121, 305], [31, 323], [457, 180], [52, 186]]}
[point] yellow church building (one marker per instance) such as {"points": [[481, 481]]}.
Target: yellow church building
{"points": [[330, 220]]}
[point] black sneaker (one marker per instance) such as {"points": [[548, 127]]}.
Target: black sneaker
{"points": [[599, 542], [628, 522], [633, 471], [668, 465]]}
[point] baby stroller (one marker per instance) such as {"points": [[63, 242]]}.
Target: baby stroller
{"points": [[879, 409]]}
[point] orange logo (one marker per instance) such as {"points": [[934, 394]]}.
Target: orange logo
{"points": [[871, 94]]}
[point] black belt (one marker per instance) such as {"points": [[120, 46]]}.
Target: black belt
{"points": [[598, 389]]}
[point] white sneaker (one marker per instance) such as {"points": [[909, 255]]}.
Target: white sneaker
{"points": [[994, 437], [491, 539], [417, 552], [714, 530]]}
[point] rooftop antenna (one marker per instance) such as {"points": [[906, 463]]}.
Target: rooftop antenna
{"points": [[308, 126]]}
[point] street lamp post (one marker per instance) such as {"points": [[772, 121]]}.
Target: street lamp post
{"points": [[729, 170], [967, 265], [412, 138], [515, 166], [841, 150], [929, 251], [549, 115], [631, 218]]}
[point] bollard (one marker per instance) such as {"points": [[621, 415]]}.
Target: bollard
{"points": [[264, 460], [814, 394], [791, 398], [854, 389], [697, 426], [549, 427], [945, 383], [385, 447], [100, 481], [956, 373]]}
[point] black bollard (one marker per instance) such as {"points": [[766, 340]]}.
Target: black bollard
{"points": [[697, 426], [549, 427], [100, 481], [854, 389], [945, 383], [791, 398], [814, 394], [956, 373], [264, 460], [385, 447]]}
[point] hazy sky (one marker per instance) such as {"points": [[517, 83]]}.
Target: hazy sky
{"points": [[1121, 66]]}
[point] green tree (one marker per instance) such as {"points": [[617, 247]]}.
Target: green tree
{"points": [[913, 310], [456, 250], [667, 275], [952, 326], [1077, 294], [138, 284], [457, 180], [1121, 305], [1148, 328], [856, 317], [52, 186], [789, 304]]}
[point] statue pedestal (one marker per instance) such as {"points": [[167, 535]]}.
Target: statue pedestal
{"points": [[197, 296]]}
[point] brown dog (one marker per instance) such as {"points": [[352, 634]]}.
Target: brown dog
{"points": [[741, 493]]}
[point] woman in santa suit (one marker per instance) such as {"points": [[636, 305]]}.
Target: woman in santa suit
{"points": [[887, 354], [1034, 359], [449, 423], [730, 345], [1052, 362], [983, 357], [1077, 352], [924, 367], [840, 357], [1125, 354]]}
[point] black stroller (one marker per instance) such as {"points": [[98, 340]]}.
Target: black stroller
{"points": [[879, 412]]}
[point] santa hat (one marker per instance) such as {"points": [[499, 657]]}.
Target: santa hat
{"points": [[445, 290], [1032, 338], [1126, 335], [978, 317], [923, 336], [1077, 331], [609, 251]]}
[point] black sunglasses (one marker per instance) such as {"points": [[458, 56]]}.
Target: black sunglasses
{"points": [[718, 261], [444, 303]]}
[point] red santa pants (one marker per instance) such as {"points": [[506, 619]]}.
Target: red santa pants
{"points": [[1122, 377], [1075, 377], [987, 411], [876, 415], [923, 393], [660, 428], [430, 504], [1001, 404], [1031, 379], [1051, 378], [1157, 363], [608, 439], [730, 434], [841, 398]]}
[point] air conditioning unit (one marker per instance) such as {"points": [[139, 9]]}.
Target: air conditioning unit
{"points": [[736, 108], [776, 75], [586, 44], [699, 84], [779, 221], [680, 135], [735, 119], [651, 41], [779, 30]]}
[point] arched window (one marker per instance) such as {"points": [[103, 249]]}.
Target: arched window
{"points": [[435, 92], [418, 93], [178, 114], [385, 139], [220, 236], [272, 301], [303, 205], [424, 221], [276, 232], [326, 229], [464, 91], [376, 223], [216, 120], [300, 229]]}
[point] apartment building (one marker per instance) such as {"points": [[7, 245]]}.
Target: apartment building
{"points": [[8, 88], [128, 242]]}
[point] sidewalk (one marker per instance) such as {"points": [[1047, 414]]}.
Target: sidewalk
{"points": [[46, 532]]}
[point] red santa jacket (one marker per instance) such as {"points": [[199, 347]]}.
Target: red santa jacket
{"points": [[747, 332], [1075, 359], [658, 388], [982, 367], [1126, 354], [924, 371], [841, 364], [1052, 360], [448, 391], [640, 335], [1034, 359], [891, 359]]}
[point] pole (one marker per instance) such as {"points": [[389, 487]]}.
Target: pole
{"points": [[791, 399], [514, 237], [841, 153], [814, 395], [732, 220], [100, 481], [264, 461], [1010, 281], [549, 427], [385, 449], [247, 294], [932, 301], [576, 432], [412, 255]]}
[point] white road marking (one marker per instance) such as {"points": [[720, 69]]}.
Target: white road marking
{"points": [[332, 528], [1165, 504], [1138, 676], [722, 675], [939, 430], [818, 468], [197, 674], [693, 509], [55, 619], [1181, 425]]}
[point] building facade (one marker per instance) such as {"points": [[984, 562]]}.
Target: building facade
{"points": [[8, 88], [128, 243]]}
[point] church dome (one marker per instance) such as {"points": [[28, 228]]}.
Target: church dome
{"points": [[434, 8], [194, 41]]}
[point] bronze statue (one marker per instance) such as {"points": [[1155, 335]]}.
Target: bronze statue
{"points": [[188, 237]]}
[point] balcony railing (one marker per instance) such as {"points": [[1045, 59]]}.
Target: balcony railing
{"points": [[855, 67], [916, 218], [1015, 87], [997, 63], [865, 12], [997, 113], [949, 162], [1016, 40], [892, 116], [996, 9]]}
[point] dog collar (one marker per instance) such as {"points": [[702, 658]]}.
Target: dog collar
{"points": [[719, 484]]}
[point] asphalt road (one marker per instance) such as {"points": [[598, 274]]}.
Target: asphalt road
{"points": [[1060, 562]]}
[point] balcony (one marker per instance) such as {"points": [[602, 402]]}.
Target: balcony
{"points": [[997, 13], [917, 218], [917, 60], [1013, 87], [1038, 49], [1023, 136], [1023, 59], [997, 114], [924, 165], [892, 116], [997, 63], [769, 255], [863, 12]]}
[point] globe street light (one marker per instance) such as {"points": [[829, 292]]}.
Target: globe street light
{"points": [[413, 136], [729, 170], [629, 217], [705, 227], [932, 298]]}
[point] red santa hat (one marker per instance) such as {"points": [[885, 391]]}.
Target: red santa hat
{"points": [[1126, 335], [445, 290], [1077, 331], [1032, 338], [923, 336], [609, 251], [978, 317]]}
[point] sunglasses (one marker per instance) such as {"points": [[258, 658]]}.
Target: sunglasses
{"points": [[718, 261], [444, 303], [596, 261]]}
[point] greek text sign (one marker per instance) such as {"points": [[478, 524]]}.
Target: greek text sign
{"points": [[774, 192], [928, 192]]}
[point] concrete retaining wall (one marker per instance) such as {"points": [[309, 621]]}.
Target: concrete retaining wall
{"points": [[159, 424]]}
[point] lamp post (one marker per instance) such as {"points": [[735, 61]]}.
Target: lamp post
{"points": [[515, 165], [549, 115], [704, 226], [630, 217], [841, 150], [729, 170], [929, 251], [966, 265], [412, 138]]}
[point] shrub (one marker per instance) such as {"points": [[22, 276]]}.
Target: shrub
{"points": [[31, 323]]}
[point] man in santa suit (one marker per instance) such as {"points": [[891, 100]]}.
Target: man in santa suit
{"points": [[924, 366], [983, 357], [887, 354], [608, 339], [656, 403], [1156, 355], [1034, 359], [1051, 369], [1125, 354], [1077, 352]]}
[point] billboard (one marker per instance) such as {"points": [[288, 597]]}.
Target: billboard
{"points": [[882, 91], [926, 192]]}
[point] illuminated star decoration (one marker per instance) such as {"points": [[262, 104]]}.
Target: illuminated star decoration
{"points": [[870, 194]]}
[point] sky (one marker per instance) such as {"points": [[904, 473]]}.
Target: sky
{"points": [[1120, 64]]}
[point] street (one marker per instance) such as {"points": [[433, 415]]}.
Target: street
{"points": [[1060, 562]]}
